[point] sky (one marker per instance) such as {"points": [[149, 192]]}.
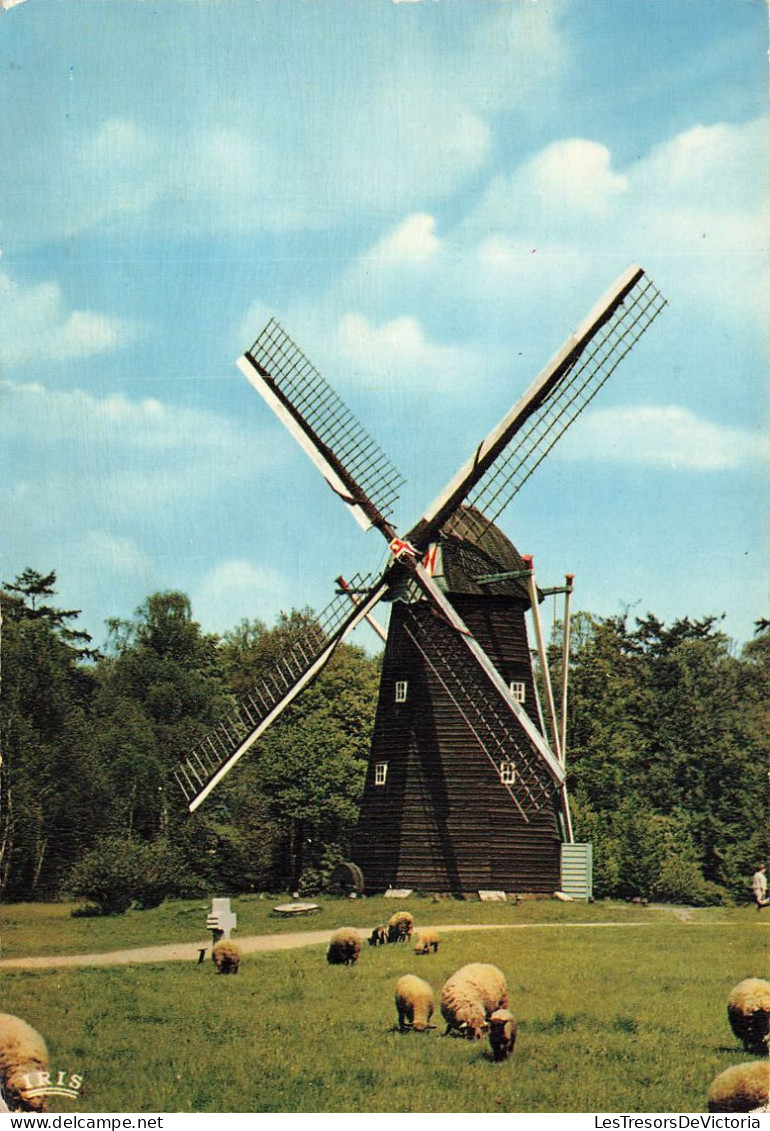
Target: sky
{"points": [[429, 196]]}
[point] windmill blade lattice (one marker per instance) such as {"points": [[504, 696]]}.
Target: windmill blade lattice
{"points": [[327, 419], [584, 375], [487, 717], [236, 732]]}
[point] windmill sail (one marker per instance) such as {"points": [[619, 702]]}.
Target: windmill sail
{"points": [[216, 754], [338, 444], [573, 377]]}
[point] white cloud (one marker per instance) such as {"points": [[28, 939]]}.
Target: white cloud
{"points": [[238, 588], [35, 323], [117, 553], [398, 350], [413, 239], [574, 174], [663, 436]]}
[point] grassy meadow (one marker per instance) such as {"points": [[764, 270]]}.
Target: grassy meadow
{"points": [[628, 1017]]}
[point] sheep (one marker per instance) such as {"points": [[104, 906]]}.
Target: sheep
{"points": [[344, 947], [744, 1087], [400, 927], [470, 996], [226, 956], [748, 1011], [502, 1033], [379, 936], [427, 941], [414, 1003], [23, 1052]]}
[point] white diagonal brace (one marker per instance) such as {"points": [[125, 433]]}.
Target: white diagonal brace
{"points": [[357, 615]]}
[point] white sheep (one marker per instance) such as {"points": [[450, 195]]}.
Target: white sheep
{"points": [[470, 996], [744, 1087], [414, 1003], [427, 941], [344, 947], [22, 1053], [502, 1033], [748, 1011], [226, 956]]}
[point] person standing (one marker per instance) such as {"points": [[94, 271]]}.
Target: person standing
{"points": [[759, 887]]}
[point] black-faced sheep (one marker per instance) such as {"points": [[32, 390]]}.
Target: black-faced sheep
{"points": [[744, 1087], [226, 956], [400, 927], [470, 996], [344, 947], [502, 1033], [427, 941], [748, 1011], [379, 936], [23, 1053], [414, 1003]]}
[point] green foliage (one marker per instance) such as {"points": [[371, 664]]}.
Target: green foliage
{"points": [[118, 872]]}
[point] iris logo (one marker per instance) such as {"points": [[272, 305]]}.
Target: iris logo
{"points": [[51, 1084]]}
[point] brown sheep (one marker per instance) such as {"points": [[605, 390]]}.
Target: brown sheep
{"points": [[379, 936], [744, 1087], [748, 1011], [23, 1052], [414, 1004], [502, 1033], [400, 927], [226, 956], [427, 941], [344, 947]]}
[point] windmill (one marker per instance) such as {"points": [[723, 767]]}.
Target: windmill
{"points": [[464, 790]]}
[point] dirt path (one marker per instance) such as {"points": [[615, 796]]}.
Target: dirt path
{"points": [[188, 952]]}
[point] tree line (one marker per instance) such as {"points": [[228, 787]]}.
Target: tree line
{"points": [[667, 757]]}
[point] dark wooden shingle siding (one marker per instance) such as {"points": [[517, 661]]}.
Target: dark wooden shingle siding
{"points": [[443, 821]]}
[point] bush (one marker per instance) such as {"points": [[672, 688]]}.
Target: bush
{"points": [[120, 871]]}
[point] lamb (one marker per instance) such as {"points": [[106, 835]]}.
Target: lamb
{"points": [[502, 1033], [379, 936], [344, 947], [23, 1052], [400, 927], [415, 1004], [226, 956], [748, 1011], [470, 996], [427, 941], [744, 1087]]}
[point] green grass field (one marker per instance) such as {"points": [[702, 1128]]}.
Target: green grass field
{"points": [[627, 1018]]}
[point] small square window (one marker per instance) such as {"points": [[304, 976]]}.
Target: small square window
{"points": [[507, 772], [518, 690], [380, 773], [401, 686]]}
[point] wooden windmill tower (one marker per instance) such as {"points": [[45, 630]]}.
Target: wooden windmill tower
{"points": [[464, 790]]}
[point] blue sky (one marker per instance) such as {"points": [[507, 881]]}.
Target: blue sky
{"points": [[429, 196]]}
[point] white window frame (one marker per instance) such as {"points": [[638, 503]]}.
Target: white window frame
{"points": [[402, 687], [518, 690], [507, 771], [380, 773]]}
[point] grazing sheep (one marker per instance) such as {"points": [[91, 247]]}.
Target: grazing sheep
{"points": [[502, 1033], [226, 956], [22, 1053], [415, 1004], [748, 1011], [344, 947], [470, 996], [400, 927], [379, 936], [427, 941], [744, 1087]]}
